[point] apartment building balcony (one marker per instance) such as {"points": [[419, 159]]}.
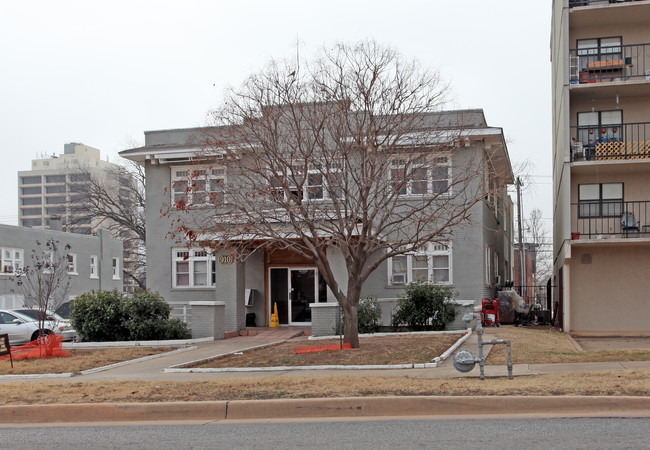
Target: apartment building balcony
{"points": [[610, 219], [608, 62], [610, 142], [574, 3]]}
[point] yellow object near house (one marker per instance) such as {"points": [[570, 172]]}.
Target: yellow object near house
{"points": [[275, 321]]}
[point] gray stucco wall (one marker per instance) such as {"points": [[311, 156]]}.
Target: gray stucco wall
{"points": [[83, 246]]}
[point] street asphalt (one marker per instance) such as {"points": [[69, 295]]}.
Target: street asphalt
{"points": [[153, 368]]}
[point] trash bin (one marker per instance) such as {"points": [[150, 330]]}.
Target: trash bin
{"points": [[250, 319]]}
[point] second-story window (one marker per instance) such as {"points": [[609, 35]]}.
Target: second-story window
{"points": [[198, 185], [322, 182], [72, 263], [424, 176], [116, 268], [94, 266], [11, 260]]}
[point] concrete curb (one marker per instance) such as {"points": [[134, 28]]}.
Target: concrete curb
{"points": [[328, 408], [401, 333], [128, 344], [37, 375], [453, 348], [289, 368]]}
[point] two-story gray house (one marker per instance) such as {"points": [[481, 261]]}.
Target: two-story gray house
{"points": [[475, 258]]}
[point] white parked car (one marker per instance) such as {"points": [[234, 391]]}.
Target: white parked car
{"points": [[22, 328], [57, 323]]}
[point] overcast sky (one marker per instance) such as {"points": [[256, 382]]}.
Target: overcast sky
{"points": [[102, 73]]}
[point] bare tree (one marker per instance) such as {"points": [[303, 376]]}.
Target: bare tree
{"points": [[540, 239], [45, 282], [346, 161], [114, 199]]}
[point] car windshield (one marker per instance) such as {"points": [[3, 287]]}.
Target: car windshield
{"points": [[35, 314], [23, 317]]}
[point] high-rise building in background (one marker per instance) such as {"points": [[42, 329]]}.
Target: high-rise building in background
{"points": [[54, 194], [47, 190]]}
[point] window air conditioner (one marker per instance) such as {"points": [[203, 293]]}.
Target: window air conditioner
{"points": [[399, 279], [497, 280]]}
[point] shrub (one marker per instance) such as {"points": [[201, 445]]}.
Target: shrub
{"points": [[98, 316], [424, 306], [368, 315], [108, 316]]}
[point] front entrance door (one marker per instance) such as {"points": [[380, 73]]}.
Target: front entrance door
{"points": [[293, 289]]}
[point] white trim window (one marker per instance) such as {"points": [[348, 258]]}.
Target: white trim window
{"points": [[421, 176], [194, 268], [319, 184], [11, 260], [116, 268], [197, 185], [94, 267], [72, 263], [488, 264], [431, 262]]}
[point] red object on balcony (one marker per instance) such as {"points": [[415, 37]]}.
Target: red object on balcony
{"points": [[575, 236]]}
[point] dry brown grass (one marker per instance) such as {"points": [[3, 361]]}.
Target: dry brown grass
{"points": [[609, 383], [537, 346], [80, 360], [405, 349]]}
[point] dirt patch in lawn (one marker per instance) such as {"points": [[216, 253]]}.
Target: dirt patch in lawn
{"points": [[79, 361], [398, 349], [539, 345], [610, 383]]}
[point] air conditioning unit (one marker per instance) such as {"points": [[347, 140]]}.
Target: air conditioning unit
{"points": [[399, 279], [497, 280]]}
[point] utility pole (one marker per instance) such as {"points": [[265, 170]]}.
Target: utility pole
{"points": [[522, 263]]}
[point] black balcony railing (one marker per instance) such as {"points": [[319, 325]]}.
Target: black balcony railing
{"points": [[610, 142], [594, 220], [573, 3], [612, 63]]}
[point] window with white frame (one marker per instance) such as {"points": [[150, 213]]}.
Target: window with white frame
{"points": [[194, 268], [431, 262], [198, 185], [116, 268], [72, 263], [421, 176], [11, 260], [323, 181], [94, 266]]}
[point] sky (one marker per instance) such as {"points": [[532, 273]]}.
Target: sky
{"points": [[102, 73]]}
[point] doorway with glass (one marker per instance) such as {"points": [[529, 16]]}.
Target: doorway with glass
{"points": [[293, 289]]}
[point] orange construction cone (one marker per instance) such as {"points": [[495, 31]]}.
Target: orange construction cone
{"points": [[275, 321]]}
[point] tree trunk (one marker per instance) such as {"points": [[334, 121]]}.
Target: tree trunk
{"points": [[351, 324], [350, 304]]}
